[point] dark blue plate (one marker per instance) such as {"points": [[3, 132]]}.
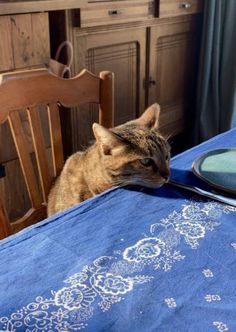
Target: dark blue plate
{"points": [[218, 168]]}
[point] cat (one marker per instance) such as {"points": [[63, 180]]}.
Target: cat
{"points": [[134, 153]]}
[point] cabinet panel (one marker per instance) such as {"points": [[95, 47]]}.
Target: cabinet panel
{"points": [[173, 64], [24, 41], [6, 55], [122, 52]]}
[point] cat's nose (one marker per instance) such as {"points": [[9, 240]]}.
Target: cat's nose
{"points": [[166, 175]]}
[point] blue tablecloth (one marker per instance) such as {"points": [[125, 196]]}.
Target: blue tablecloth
{"points": [[130, 259]]}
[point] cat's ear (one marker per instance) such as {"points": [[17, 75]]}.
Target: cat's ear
{"points": [[150, 117], [107, 140]]}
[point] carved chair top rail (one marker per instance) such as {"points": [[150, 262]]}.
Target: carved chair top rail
{"points": [[31, 88]]}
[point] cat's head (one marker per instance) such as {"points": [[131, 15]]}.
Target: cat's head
{"points": [[135, 152]]}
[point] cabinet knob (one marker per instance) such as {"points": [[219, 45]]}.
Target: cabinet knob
{"points": [[185, 5], [114, 12]]}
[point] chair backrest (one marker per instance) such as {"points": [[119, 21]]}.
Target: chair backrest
{"points": [[30, 91]]}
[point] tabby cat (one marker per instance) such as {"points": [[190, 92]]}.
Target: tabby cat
{"points": [[132, 153]]}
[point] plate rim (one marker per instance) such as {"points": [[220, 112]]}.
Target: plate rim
{"points": [[199, 175]]}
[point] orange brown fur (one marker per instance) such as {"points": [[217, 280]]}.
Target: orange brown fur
{"points": [[132, 153]]}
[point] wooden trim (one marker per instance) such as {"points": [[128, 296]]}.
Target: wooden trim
{"points": [[20, 7], [56, 138], [5, 227], [31, 217], [156, 21], [24, 157], [20, 90], [40, 150], [106, 112]]}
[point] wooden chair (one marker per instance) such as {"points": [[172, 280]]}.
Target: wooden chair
{"points": [[28, 90]]}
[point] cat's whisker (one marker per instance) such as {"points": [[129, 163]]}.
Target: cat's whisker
{"points": [[168, 137]]}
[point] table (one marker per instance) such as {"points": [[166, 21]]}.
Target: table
{"points": [[130, 259]]}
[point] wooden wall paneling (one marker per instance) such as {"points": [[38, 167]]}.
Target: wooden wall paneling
{"points": [[22, 40], [30, 6], [30, 37], [172, 50], [40, 35], [119, 51], [6, 53]]}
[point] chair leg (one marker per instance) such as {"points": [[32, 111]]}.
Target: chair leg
{"points": [[5, 227]]}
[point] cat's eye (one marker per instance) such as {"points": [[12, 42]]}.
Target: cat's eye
{"points": [[146, 162]]}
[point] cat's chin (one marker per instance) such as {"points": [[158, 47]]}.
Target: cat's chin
{"points": [[154, 186], [151, 185]]}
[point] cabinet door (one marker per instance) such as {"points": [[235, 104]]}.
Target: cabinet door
{"points": [[173, 58], [120, 51]]}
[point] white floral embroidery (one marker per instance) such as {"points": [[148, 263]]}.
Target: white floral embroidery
{"points": [[208, 273], [80, 315], [123, 267], [144, 249], [233, 244], [75, 297], [190, 230], [193, 221], [153, 251], [113, 285], [109, 278], [171, 302], [38, 319], [60, 314], [229, 208], [220, 326], [212, 298]]}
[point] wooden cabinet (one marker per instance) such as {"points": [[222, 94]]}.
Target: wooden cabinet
{"points": [[154, 59]]}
